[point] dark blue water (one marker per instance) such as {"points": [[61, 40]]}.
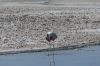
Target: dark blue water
{"points": [[89, 56]]}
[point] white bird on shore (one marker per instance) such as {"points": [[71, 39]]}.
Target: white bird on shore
{"points": [[51, 36]]}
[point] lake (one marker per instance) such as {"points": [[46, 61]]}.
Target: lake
{"points": [[88, 56]]}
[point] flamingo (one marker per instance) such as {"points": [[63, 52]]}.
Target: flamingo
{"points": [[51, 36]]}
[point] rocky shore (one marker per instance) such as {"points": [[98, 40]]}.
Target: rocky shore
{"points": [[24, 27]]}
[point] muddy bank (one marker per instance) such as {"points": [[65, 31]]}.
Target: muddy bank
{"points": [[24, 27]]}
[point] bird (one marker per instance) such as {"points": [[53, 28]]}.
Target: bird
{"points": [[51, 36]]}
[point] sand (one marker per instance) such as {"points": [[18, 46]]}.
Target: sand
{"points": [[24, 26]]}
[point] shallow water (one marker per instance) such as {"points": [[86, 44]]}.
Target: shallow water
{"points": [[85, 57]]}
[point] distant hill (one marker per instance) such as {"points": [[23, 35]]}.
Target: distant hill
{"points": [[55, 1]]}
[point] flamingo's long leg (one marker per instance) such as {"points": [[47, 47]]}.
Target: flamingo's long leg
{"points": [[53, 54], [49, 54]]}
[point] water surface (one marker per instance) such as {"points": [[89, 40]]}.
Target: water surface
{"points": [[89, 56]]}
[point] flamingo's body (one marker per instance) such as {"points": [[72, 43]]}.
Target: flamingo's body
{"points": [[51, 36]]}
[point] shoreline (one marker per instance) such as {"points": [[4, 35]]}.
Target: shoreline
{"points": [[71, 47]]}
